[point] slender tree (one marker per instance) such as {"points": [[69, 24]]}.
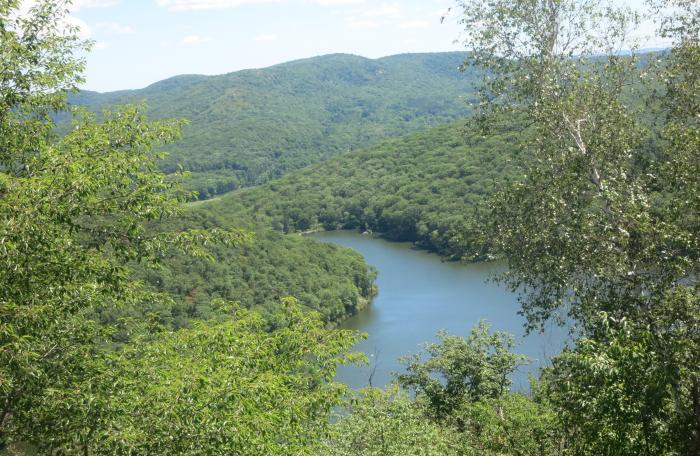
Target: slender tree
{"points": [[603, 228]]}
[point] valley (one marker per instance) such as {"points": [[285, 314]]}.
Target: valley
{"points": [[492, 251], [419, 295], [248, 127]]}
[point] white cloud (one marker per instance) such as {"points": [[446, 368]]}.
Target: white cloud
{"points": [[193, 5], [116, 28], [195, 39], [266, 37], [442, 12], [385, 10], [362, 24], [99, 45], [415, 25]]}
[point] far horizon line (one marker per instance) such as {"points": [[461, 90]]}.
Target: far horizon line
{"points": [[204, 75]]}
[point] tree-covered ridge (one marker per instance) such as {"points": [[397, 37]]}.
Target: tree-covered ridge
{"points": [[250, 126], [331, 280], [423, 187]]}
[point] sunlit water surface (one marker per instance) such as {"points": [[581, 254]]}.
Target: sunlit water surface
{"points": [[420, 294]]}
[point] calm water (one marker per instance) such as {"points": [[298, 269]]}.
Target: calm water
{"points": [[419, 295]]}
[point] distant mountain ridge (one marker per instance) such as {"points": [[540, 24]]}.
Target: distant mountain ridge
{"points": [[250, 126], [425, 188]]}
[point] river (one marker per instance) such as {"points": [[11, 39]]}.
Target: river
{"points": [[420, 294]]}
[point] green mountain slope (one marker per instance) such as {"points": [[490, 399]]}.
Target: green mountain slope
{"points": [[332, 280], [424, 187], [251, 126]]}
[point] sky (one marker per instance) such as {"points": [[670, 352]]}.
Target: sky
{"points": [[138, 42]]}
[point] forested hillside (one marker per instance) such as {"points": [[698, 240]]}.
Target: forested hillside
{"points": [[250, 126], [78, 213], [334, 281], [135, 321], [423, 187]]}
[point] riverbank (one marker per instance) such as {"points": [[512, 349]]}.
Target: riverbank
{"points": [[418, 295]]}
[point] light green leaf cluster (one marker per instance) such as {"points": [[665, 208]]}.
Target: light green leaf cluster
{"points": [[388, 423], [623, 392], [462, 369], [74, 212], [462, 406], [231, 387]]}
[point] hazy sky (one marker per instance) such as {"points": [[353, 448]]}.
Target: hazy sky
{"points": [[139, 42]]}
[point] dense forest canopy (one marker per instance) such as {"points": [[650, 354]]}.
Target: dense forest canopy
{"points": [[248, 127], [424, 188], [132, 322], [76, 213], [332, 280]]}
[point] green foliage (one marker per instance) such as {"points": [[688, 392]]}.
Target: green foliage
{"points": [[605, 225], [512, 424], [614, 391], [425, 188], [71, 219], [460, 369], [463, 405], [38, 65], [230, 387], [251, 126], [76, 215], [602, 224], [388, 423], [334, 281], [74, 212]]}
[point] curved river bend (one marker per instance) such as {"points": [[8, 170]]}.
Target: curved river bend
{"points": [[418, 295]]}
